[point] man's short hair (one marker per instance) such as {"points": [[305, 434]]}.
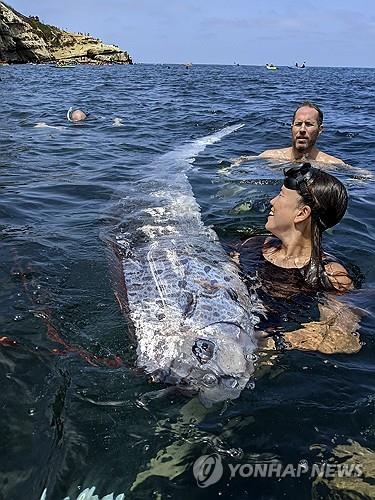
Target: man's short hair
{"points": [[310, 104]]}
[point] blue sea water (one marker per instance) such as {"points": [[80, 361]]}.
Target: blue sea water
{"points": [[70, 417]]}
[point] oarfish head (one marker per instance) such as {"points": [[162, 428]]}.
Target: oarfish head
{"points": [[216, 361], [194, 320]]}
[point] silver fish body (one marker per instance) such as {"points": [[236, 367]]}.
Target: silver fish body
{"points": [[192, 314]]}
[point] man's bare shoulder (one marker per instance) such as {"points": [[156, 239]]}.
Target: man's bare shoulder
{"points": [[326, 158], [280, 154]]}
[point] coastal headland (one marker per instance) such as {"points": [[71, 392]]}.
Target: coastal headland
{"points": [[27, 40]]}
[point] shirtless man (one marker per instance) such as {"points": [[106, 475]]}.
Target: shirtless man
{"points": [[307, 125]]}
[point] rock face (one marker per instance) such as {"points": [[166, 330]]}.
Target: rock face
{"points": [[25, 39]]}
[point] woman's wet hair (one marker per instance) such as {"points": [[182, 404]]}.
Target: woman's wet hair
{"points": [[328, 199]]}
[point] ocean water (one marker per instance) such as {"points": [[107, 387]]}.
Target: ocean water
{"points": [[74, 411]]}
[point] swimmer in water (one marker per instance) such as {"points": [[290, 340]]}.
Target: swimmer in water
{"points": [[307, 125], [76, 115], [293, 269]]}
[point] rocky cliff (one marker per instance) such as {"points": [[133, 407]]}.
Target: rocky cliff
{"points": [[26, 39]]}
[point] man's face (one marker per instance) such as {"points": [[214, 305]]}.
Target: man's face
{"points": [[305, 129]]}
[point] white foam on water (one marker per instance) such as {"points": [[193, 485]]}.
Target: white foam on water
{"points": [[117, 122], [45, 125]]}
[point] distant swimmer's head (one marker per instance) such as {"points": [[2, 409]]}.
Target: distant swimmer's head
{"points": [[76, 115]]}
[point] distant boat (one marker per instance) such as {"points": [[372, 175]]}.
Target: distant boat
{"points": [[301, 66], [188, 65], [271, 66]]}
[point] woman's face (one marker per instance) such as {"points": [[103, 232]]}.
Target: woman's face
{"points": [[284, 208]]}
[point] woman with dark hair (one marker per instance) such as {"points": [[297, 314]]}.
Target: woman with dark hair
{"points": [[293, 271], [310, 201]]}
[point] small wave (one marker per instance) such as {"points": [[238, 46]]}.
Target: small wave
{"points": [[45, 125], [346, 133]]}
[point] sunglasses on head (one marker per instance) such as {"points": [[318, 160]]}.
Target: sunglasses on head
{"points": [[297, 175]]}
